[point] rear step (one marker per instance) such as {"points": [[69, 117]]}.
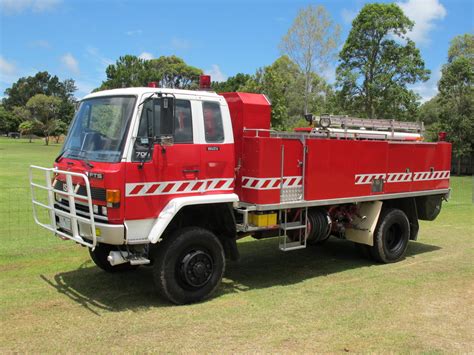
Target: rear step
{"points": [[299, 228]]}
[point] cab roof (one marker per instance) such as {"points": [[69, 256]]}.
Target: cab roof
{"points": [[144, 90]]}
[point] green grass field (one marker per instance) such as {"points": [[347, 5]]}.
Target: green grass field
{"points": [[323, 299]]}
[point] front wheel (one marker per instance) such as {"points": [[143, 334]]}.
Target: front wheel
{"points": [[391, 236], [189, 265]]}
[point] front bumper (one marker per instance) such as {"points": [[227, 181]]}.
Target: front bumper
{"points": [[105, 233]]}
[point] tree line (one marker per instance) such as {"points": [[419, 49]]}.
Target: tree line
{"points": [[375, 68]]}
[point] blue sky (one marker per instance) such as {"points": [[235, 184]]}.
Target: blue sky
{"points": [[78, 39]]}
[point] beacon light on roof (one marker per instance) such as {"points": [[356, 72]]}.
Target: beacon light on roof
{"points": [[205, 82], [152, 84]]}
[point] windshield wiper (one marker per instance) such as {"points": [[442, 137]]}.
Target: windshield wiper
{"points": [[80, 155]]}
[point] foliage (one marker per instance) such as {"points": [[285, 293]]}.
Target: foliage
{"points": [[377, 62], [311, 42], [456, 95], [232, 84], [173, 72], [60, 129], [43, 110], [27, 128], [284, 85], [428, 113], [8, 120], [42, 83], [131, 71]]}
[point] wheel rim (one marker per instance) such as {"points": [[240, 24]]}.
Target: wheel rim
{"points": [[394, 238], [196, 268]]}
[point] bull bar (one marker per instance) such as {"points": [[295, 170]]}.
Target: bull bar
{"points": [[74, 232]]}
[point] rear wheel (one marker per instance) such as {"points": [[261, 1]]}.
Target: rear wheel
{"points": [[391, 236], [189, 265], [99, 257]]}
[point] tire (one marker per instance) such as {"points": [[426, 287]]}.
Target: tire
{"points": [[188, 265], [99, 257], [391, 236]]}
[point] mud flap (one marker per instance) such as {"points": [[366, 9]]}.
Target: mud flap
{"points": [[364, 226]]}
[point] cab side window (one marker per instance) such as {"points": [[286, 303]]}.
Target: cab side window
{"points": [[183, 123], [213, 128]]}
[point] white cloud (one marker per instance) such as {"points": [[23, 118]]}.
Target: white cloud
{"points": [[146, 56], [18, 6], [7, 68], [348, 15], [134, 32], [428, 89], [424, 13], [216, 73], [70, 63]]}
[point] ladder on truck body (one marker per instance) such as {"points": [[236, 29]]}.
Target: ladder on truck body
{"points": [[367, 128], [293, 234]]}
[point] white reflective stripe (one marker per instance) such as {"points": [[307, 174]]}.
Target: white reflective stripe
{"points": [[270, 183], [177, 187], [364, 179]]}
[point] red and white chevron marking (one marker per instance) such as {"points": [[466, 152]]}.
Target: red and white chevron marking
{"points": [[431, 175], [364, 179], [270, 183], [178, 187]]}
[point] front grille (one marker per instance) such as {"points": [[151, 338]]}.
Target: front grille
{"points": [[81, 210], [97, 193]]}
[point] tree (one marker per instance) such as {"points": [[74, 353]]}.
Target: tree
{"points": [[44, 110], [456, 95], [42, 83], [311, 42], [131, 71], [283, 83], [8, 121], [173, 72], [128, 71], [232, 84], [27, 128], [61, 129], [377, 63]]}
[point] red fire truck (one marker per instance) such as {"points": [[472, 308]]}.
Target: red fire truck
{"points": [[172, 178]]}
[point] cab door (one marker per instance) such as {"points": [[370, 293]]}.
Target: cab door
{"points": [[165, 161]]}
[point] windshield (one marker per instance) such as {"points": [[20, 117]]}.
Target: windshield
{"points": [[99, 128]]}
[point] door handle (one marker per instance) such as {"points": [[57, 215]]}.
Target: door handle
{"points": [[190, 171]]}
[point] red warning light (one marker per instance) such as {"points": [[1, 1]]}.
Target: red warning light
{"points": [[442, 136], [152, 84], [204, 82]]}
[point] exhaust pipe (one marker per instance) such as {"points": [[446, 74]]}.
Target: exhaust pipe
{"points": [[117, 257]]}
